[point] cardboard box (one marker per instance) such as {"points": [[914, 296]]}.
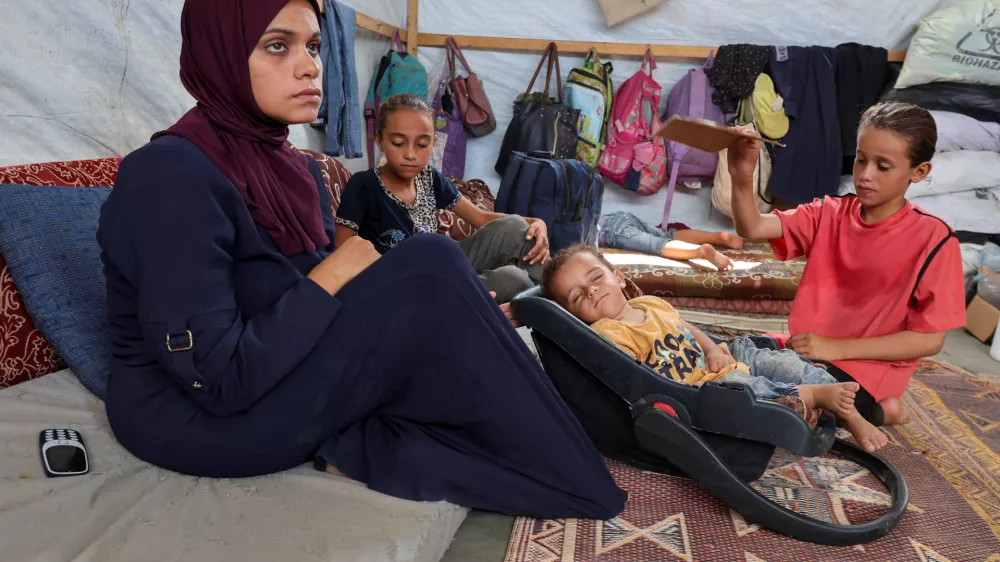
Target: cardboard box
{"points": [[981, 318], [617, 11]]}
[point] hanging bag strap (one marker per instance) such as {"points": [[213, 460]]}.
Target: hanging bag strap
{"points": [[648, 63], [538, 70], [454, 51], [710, 61], [555, 57], [397, 43]]}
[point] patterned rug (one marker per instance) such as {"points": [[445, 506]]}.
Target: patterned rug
{"points": [[948, 454]]}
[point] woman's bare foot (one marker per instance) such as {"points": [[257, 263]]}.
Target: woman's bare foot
{"points": [[837, 398], [730, 240], [894, 412], [720, 261], [865, 434]]}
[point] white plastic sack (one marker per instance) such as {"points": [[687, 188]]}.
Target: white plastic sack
{"points": [[961, 132], [972, 211], [957, 171], [960, 43]]}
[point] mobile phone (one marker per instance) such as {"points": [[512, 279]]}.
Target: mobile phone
{"points": [[63, 453]]}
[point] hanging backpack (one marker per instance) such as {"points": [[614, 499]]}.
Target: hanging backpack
{"points": [[628, 125], [589, 88], [566, 194], [397, 73], [691, 98]]}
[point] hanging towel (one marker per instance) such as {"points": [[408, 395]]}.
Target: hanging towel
{"points": [[734, 73], [808, 167], [860, 79], [341, 109]]}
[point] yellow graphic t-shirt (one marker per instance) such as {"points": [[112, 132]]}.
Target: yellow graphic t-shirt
{"points": [[662, 342]]}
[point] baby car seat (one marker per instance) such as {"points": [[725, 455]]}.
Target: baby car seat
{"points": [[717, 434]]}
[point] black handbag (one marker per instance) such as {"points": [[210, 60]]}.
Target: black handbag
{"points": [[541, 123]]}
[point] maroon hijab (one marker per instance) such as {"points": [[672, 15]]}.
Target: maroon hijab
{"points": [[248, 146]]}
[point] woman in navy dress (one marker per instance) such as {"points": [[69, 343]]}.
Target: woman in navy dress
{"points": [[243, 344]]}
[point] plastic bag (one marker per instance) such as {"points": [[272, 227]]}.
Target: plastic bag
{"points": [[957, 44], [989, 256], [989, 288], [975, 100]]}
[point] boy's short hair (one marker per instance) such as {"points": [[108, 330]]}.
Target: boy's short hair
{"points": [[912, 122], [557, 262]]}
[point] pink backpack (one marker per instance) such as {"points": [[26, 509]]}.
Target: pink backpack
{"points": [[628, 126]]}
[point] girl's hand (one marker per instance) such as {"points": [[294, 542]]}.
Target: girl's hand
{"points": [[742, 159], [540, 233], [718, 361], [507, 312], [344, 264], [814, 346]]}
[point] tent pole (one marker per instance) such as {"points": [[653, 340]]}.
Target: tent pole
{"points": [[411, 27], [379, 27], [538, 45]]}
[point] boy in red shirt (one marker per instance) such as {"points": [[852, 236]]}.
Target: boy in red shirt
{"points": [[883, 279]]}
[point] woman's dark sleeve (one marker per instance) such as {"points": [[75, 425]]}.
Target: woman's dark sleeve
{"points": [[182, 229]]}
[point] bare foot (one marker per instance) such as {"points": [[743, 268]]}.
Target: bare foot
{"points": [[894, 411], [720, 261], [837, 398], [867, 435], [333, 470], [731, 240]]}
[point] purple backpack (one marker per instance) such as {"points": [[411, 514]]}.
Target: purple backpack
{"points": [[691, 97]]}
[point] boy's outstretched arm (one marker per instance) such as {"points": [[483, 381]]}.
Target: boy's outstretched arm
{"points": [[742, 160], [901, 346]]}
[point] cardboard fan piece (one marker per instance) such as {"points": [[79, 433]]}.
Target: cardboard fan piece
{"points": [[704, 135]]}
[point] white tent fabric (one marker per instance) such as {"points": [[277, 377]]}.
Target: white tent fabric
{"points": [[97, 77]]}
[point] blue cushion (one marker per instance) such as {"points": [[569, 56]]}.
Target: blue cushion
{"points": [[48, 236]]}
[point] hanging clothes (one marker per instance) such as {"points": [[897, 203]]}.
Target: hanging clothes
{"points": [[809, 165], [861, 72], [734, 73], [341, 109]]}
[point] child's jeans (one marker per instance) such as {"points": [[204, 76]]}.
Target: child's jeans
{"points": [[774, 373], [625, 231]]}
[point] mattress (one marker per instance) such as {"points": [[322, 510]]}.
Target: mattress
{"points": [[739, 306], [735, 323], [758, 275], [127, 510]]}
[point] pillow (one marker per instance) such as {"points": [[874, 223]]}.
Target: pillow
{"points": [[961, 132], [955, 44], [48, 236]]}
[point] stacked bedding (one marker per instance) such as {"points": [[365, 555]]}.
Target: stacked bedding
{"points": [[963, 188], [755, 296]]}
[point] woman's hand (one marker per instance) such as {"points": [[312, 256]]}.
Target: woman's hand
{"points": [[718, 361], [540, 233], [742, 158], [344, 264]]}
